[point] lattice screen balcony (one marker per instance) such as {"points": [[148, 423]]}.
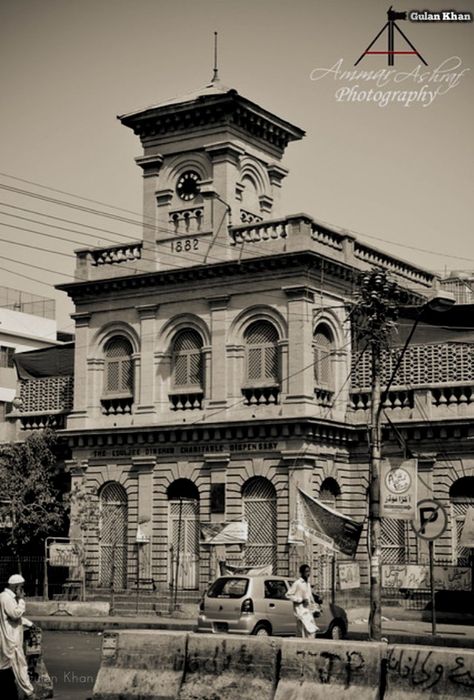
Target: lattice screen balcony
{"points": [[46, 394], [421, 365]]}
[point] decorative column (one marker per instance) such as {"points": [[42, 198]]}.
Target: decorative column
{"points": [[300, 346], [77, 529], [151, 166], [95, 374], [220, 196], [146, 376], [217, 465], [300, 468], [82, 339], [144, 468], [218, 378]]}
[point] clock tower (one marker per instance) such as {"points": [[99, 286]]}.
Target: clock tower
{"points": [[211, 159]]}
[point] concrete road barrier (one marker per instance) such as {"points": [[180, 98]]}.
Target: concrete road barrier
{"points": [[222, 667], [163, 665], [428, 672], [144, 664], [313, 669]]}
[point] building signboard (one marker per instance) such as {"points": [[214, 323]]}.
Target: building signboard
{"points": [[64, 554], [349, 575], [398, 489], [417, 577], [186, 449]]}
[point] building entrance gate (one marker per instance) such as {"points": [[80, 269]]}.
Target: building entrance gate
{"points": [[113, 536], [184, 540]]}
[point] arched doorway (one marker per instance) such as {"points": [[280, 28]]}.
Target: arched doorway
{"points": [[183, 536], [260, 511], [113, 508], [461, 495]]}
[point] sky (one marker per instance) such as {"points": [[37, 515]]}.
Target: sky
{"points": [[398, 175]]}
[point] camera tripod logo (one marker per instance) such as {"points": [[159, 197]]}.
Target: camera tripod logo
{"points": [[390, 27]]}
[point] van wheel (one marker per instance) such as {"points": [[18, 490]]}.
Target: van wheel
{"points": [[337, 631], [262, 630]]}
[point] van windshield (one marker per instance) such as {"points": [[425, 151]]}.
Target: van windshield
{"points": [[228, 588]]}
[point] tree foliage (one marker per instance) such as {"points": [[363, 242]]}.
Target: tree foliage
{"points": [[31, 507]]}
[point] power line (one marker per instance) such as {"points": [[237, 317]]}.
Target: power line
{"points": [[172, 231]]}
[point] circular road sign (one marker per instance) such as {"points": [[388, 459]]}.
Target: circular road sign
{"points": [[431, 519]]}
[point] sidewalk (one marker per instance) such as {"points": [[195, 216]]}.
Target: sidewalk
{"points": [[399, 626]]}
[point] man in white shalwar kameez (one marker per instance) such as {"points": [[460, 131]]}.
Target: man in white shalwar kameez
{"points": [[301, 595], [12, 657]]}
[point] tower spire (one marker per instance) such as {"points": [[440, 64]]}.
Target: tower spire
{"points": [[215, 75]]}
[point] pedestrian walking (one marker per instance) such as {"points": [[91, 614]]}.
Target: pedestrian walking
{"points": [[14, 679], [301, 595]]}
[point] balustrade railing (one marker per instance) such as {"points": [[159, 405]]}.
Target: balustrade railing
{"points": [[186, 401], [326, 236], [324, 397], [263, 231], [116, 254], [259, 396], [187, 220], [247, 217], [116, 406]]}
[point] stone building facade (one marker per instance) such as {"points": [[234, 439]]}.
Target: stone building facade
{"points": [[214, 370]]}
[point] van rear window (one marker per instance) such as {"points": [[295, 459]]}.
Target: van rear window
{"points": [[228, 588]]}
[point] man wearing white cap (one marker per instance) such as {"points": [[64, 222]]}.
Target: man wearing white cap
{"points": [[13, 666]]}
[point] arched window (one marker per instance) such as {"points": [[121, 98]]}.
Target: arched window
{"points": [[187, 391], [322, 348], [262, 383], [323, 345], [260, 511], [187, 359], [113, 508], [461, 495], [329, 491], [250, 201], [118, 367], [117, 395]]}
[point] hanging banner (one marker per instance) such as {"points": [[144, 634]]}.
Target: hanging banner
{"points": [[329, 523], [398, 497], [236, 532], [467, 534], [299, 532], [228, 570]]}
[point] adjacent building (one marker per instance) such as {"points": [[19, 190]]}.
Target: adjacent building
{"points": [[27, 322]]}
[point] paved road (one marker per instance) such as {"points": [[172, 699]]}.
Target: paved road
{"points": [[72, 659]]}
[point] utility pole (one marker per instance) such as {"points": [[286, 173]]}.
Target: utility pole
{"points": [[375, 525], [376, 313]]}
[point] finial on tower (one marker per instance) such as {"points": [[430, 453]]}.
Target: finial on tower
{"points": [[215, 75]]}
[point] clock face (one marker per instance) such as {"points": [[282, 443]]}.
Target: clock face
{"points": [[187, 186]]}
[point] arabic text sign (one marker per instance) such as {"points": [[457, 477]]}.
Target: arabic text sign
{"points": [[398, 489], [417, 577], [64, 554], [349, 576]]}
